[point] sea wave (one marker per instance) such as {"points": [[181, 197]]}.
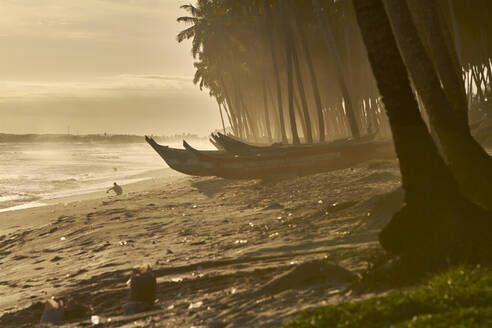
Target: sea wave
{"points": [[32, 173]]}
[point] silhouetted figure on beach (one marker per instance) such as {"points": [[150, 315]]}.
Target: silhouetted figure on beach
{"points": [[116, 188]]}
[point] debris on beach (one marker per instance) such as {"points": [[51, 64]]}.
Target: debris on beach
{"points": [[143, 287], [195, 305], [53, 312], [57, 311]]}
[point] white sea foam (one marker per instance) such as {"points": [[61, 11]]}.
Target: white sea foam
{"points": [[31, 173]]}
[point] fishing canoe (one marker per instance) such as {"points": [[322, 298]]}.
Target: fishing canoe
{"points": [[215, 143], [301, 161], [235, 146], [182, 160]]}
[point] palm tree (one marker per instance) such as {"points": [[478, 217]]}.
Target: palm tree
{"points": [[329, 40], [269, 26], [267, 112], [239, 46], [314, 82], [290, 84], [436, 223], [443, 56], [470, 164]]}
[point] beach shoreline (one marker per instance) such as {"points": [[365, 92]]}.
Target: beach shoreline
{"points": [[221, 250], [144, 181]]}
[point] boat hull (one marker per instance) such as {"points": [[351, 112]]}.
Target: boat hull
{"points": [[300, 162], [179, 159], [259, 166], [239, 147]]}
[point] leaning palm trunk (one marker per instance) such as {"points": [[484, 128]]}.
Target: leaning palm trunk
{"points": [[456, 34], [437, 223], [443, 58], [470, 164], [331, 45]]}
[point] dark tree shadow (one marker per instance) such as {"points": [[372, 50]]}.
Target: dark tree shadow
{"points": [[212, 187]]}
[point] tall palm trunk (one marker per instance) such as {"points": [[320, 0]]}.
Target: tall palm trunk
{"points": [[290, 93], [443, 58], [290, 83], [312, 74], [269, 27], [235, 120], [329, 40], [308, 132], [221, 116], [267, 112], [298, 110], [437, 223], [226, 110], [249, 121], [470, 164], [277, 135], [456, 33]]}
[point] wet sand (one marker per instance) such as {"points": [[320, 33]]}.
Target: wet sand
{"points": [[225, 253]]}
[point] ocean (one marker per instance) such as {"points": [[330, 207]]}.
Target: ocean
{"points": [[31, 173]]}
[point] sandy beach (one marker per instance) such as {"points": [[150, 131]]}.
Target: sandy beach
{"points": [[225, 253]]}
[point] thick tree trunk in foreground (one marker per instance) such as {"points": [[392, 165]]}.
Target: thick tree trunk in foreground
{"points": [[437, 223], [470, 164]]}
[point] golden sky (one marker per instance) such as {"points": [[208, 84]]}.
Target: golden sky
{"points": [[98, 66]]}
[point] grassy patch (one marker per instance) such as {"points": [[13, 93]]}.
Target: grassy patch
{"points": [[460, 297]]}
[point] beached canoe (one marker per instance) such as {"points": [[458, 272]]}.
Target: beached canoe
{"points": [[236, 146], [182, 160], [302, 161], [217, 145]]}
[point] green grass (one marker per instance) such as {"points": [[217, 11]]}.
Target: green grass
{"points": [[460, 297]]}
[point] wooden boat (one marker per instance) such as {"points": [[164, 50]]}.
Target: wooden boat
{"points": [[215, 143], [182, 160], [235, 146], [301, 161]]}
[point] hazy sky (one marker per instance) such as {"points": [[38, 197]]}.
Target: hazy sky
{"points": [[98, 66]]}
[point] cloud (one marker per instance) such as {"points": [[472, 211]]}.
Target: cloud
{"points": [[139, 104], [88, 19], [55, 39], [106, 87], [92, 64]]}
